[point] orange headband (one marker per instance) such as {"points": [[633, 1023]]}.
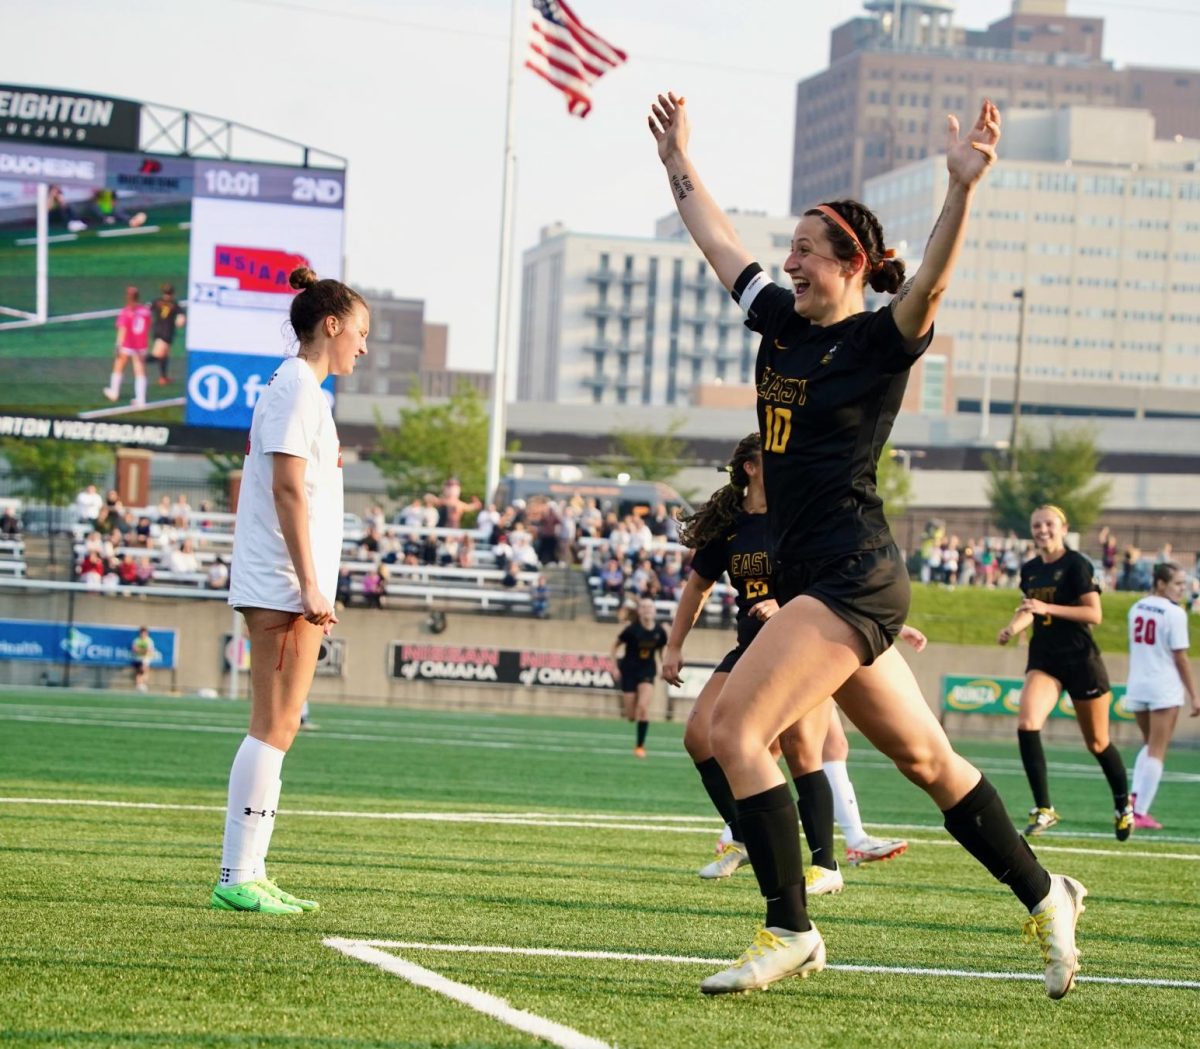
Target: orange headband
{"points": [[829, 213]]}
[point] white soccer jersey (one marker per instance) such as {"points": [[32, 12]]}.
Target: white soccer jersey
{"points": [[291, 416], [1157, 629]]}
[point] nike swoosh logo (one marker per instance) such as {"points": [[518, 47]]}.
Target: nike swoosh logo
{"points": [[779, 345]]}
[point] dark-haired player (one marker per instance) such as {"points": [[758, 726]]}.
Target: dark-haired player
{"points": [[730, 536], [166, 318], [283, 579], [639, 644], [1062, 602], [830, 379]]}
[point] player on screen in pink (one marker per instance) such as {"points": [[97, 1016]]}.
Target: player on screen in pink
{"points": [[133, 339]]}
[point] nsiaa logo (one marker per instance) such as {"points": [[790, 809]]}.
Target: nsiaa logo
{"points": [[76, 644]]}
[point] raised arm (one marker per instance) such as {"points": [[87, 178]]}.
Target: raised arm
{"points": [[967, 160], [705, 221]]}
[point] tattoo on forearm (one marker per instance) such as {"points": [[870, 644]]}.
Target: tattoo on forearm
{"points": [[904, 290], [681, 186], [937, 224]]}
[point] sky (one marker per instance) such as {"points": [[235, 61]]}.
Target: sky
{"points": [[412, 93]]}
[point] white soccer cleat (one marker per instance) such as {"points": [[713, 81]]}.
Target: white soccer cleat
{"points": [[1052, 923], [729, 859], [774, 955], [110, 393], [725, 838], [875, 850], [819, 881]]}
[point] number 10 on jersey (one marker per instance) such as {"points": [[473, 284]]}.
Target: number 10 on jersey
{"points": [[779, 429]]}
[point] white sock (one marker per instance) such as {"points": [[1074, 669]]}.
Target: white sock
{"points": [[845, 803], [114, 382], [253, 791], [139, 387], [262, 840], [1152, 770], [304, 711], [1138, 764], [726, 836]]}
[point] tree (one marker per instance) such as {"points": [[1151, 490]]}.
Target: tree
{"points": [[432, 441], [894, 483], [1062, 473], [647, 455], [221, 468], [53, 472]]}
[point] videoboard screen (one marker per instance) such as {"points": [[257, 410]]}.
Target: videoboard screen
{"points": [[222, 235]]}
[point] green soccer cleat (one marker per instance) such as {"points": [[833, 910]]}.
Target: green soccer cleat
{"points": [[286, 897], [249, 896]]}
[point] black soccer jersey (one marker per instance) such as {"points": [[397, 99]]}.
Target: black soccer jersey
{"points": [[743, 552], [641, 645], [1062, 582], [827, 399], [163, 316]]}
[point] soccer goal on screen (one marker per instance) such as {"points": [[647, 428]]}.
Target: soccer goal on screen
{"points": [[25, 260]]}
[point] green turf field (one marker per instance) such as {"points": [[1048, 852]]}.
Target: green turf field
{"points": [[465, 830], [59, 368]]}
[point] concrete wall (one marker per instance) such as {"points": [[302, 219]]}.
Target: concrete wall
{"points": [[202, 626]]}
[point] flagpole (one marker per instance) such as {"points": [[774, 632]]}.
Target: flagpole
{"points": [[503, 294]]}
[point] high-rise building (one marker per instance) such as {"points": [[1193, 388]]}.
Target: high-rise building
{"points": [[895, 73], [1094, 221], [635, 320]]}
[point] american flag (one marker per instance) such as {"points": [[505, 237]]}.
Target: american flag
{"points": [[568, 55]]}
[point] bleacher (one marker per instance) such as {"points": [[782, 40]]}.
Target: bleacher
{"points": [[12, 548], [479, 585], [606, 605]]}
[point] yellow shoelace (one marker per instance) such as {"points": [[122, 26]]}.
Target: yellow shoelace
{"points": [[764, 940], [1037, 927], [814, 875]]}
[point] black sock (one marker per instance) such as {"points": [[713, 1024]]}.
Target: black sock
{"points": [[162, 366], [1034, 760], [982, 827], [814, 802], [771, 833], [642, 726], [713, 778], [1114, 771]]}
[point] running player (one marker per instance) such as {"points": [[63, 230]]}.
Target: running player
{"points": [[133, 334], [830, 379], [286, 550], [1062, 602], [143, 651], [167, 317], [1160, 680], [729, 535], [639, 643]]}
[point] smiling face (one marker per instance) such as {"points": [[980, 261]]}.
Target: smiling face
{"points": [[348, 339], [1048, 531], [821, 283]]}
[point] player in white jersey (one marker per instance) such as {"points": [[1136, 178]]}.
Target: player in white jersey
{"points": [[1160, 680], [287, 545]]}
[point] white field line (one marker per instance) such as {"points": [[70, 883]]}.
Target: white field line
{"points": [[133, 232], [482, 1002], [131, 409], [509, 738], [639, 824], [675, 959], [58, 238]]}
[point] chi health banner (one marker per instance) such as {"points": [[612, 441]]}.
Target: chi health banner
{"points": [[1002, 695], [84, 644]]}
